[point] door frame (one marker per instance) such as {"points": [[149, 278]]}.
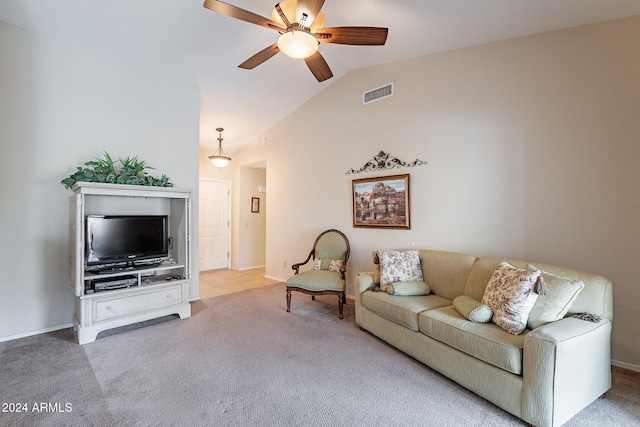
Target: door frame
{"points": [[229, 228]]}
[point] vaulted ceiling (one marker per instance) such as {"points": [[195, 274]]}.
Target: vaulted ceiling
{"points": [[184, 41]]}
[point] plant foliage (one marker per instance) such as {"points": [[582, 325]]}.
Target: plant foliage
{"points": [[128, 170]]}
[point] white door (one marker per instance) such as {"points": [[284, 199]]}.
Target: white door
{"points": [[213, 234]]}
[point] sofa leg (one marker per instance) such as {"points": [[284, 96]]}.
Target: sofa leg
{"points": [[313, 297], [288, 300], [340, 306]]}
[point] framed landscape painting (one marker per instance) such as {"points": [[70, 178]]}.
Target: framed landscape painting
{"points": [[382, 202]]}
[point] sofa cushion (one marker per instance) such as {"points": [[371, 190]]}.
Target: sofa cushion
{"points": [[561, 292], [408, 288], [485, 341], [399, 266], [401, 309], [446, 272], [511, 297]]}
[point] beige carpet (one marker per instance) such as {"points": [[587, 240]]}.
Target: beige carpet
{"points": [[242, 360]]}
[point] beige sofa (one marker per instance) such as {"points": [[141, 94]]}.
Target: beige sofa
{"points": [[544, 376]]}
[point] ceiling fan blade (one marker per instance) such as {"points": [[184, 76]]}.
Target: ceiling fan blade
{"points": [[370, 36], [282, 15], [243, 15], [319, 67], [260, 57], [309, 7]]}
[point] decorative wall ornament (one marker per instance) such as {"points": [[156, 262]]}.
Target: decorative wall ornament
{"points": [[383, 161]]}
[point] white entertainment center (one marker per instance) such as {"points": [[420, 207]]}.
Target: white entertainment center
{"points": [[154, 291]]}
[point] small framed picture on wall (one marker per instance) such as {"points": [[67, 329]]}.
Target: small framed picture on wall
{"points": [[255, 204]]}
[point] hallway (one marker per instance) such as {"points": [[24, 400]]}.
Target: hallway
{"points": [[222, 282]]}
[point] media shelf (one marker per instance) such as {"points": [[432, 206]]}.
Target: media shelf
{"points": [[150, 292], [135, 271]]}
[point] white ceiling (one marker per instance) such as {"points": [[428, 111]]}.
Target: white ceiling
{"points": [[183, 40]]}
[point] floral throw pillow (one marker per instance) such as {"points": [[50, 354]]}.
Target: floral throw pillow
{"points": [[510, 294], [335, 265], [327, 264], [399, 266]]}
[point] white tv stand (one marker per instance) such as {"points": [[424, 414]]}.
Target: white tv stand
{"points": [[158, 290]]}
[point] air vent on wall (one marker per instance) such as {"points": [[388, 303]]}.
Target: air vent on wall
{"points": [[377, 94]]}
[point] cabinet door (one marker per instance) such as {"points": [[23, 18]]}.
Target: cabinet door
{"points": [[76, 244]]}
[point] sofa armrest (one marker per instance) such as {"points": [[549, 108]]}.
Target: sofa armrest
{"points": [[363, 283], [567, 365]]}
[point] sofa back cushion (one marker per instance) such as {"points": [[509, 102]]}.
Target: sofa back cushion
{"points": [[446, 272], [596, 297]]}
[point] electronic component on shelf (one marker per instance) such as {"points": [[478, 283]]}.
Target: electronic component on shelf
{"points": [[99, 285]]}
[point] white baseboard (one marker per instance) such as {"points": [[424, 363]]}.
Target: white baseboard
{"points": [[251, 268], [36, 332], [625, 365]]}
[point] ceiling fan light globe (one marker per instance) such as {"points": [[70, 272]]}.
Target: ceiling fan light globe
{"points": [[297, 44]]}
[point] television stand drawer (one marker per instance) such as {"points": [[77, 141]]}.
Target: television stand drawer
{"points": [[138, 302]]}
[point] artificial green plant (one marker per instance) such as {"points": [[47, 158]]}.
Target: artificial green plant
{"points": [[130, 171]]}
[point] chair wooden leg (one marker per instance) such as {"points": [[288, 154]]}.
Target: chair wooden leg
{"points": [[288, 300], [340, 304]]}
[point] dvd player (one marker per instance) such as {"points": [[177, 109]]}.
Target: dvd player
{"points": [[99, 285]]}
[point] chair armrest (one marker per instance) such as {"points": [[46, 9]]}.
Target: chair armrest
{"points": [[296, 267], [567, 365]]}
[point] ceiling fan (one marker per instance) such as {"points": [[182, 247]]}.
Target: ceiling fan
{"points": [[300, 24]]}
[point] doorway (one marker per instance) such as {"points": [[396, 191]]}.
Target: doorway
{"points": [[214, 225]]}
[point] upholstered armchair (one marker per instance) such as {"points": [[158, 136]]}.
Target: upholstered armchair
{"points": [[329, 255]]}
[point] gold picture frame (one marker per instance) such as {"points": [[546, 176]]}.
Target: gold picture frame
{"points": [[382, 202]]}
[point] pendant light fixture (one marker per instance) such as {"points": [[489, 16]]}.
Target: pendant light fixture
{"points": [[219, 158]]}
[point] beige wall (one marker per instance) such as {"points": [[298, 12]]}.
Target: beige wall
{"points": [[532, 150], [252, 225], [59, 107]]}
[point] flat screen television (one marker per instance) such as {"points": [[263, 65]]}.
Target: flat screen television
{"points": [[120, 239]]}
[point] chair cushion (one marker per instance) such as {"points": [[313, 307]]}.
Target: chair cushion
{"points": [[401, 309], [331, 245], [317, 280], [485, 341]]}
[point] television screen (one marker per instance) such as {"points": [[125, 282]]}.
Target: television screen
{"points": [[125, 238]]}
